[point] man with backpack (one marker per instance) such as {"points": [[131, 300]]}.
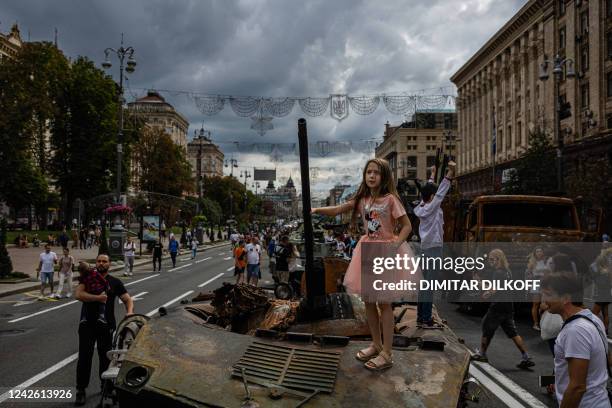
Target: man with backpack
{"points": [[581, 348], [173, 248]]}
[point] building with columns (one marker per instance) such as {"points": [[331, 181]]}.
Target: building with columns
{"points": [[157, 113], [411, 147], [205, 158], [10, 43], [500, 85]]}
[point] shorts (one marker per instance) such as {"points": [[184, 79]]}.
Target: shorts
{"points": [[238, 270], [252, 271], [492, 320], [46, 277]]}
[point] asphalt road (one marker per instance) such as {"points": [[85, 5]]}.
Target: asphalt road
{"points": [[39, 342], [45, 345]]}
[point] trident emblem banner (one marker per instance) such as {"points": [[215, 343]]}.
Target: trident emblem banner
{"points": [[339, 106]]}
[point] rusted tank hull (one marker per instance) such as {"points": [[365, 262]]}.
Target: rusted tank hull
{"points": [[189, 363]]}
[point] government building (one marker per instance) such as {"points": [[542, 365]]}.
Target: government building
{"points": [[502, 91]]}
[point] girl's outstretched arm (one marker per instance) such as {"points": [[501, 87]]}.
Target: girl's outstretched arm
{"points": [[335, 210]]}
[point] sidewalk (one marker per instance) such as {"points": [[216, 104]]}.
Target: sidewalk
{"points": [[28, 258]]}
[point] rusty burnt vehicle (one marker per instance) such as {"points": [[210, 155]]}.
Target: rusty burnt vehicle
{"points": [[519, 223], [239, 346]]}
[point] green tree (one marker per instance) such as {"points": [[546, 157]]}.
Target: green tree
{"points": [[84, 134], [29, 85], [163, 166], [6, 266], [532, 174], [591, 180], [211, 210]]}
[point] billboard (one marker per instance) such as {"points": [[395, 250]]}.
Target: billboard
{"points": [[264, 174], [150, 228]]}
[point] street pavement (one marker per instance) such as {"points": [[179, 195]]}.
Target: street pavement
{"points": [[38, 339]]}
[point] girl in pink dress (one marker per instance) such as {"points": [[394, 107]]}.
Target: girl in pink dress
{"points": [[381, 210]]}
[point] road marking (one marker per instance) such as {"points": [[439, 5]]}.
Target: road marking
{"points": [[43, 311], [185, 259], [202, 260], [135, 297], [222, 253], [176, 299], [228, 258], [231, 268], [493, 380], [41, 375], [179, 267], [140, 280], [25, 302], [210, 280], [69, 303]]}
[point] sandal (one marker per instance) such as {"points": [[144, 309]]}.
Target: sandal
{"points": [[380, 362], [367, 353]]}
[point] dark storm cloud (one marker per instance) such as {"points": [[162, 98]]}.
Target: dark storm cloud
{"points": [[274, 48]]}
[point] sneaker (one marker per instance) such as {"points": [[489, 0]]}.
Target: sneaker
{"points": [[80, 398], [68, 295], [525, 364], [125, 274], [479, 357], [536, 327]]}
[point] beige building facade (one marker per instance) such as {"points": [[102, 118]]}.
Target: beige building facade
{"points": [[411, 147], [205, 157], [500, 85], [10, 43], [157, 113]]}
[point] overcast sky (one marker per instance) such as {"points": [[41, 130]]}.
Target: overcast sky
{"points": [[274, 48]]}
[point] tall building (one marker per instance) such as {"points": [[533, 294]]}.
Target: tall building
{"points": [[335, 193], [157, 113], [281, 202], [411, 147], [500, 88], [205, 157], [10, 43]]}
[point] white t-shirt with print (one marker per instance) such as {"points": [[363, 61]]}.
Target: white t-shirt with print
{"points": [[48, 261], [253, 252], [581, 339]]}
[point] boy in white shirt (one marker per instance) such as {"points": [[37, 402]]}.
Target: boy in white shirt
{"points": [[431, 224]]}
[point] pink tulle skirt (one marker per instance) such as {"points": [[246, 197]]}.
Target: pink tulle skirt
{"points": [[354, 274]]}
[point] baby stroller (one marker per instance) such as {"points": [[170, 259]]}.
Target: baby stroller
{"points": [[124, 337]]}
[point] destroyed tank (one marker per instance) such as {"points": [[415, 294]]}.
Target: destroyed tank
{"points": [[240, 347]]}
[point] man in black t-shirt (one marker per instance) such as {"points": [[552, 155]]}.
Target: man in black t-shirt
{"points": [[91, 331], [157, 254], [283, 252]]}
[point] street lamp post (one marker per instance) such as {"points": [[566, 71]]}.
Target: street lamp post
{"points": [[246, 175], [558, 62], [129, 67], [232, 163], [448, 142]]}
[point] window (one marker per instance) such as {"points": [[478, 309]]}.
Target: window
{"points": [[562, 37], [584, 58], [609, 84], [609, 121], [519, 134], [430, 161], [609, 44], [529, 215], [509, 138], [584, 22], [584, 96], [608, 8], [561, 7], [448, 121], [411, 161]]}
